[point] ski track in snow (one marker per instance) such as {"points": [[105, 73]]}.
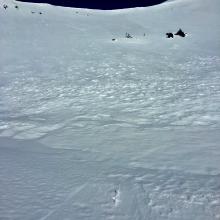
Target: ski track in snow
{"points": [[141, 193], [96, 129]]}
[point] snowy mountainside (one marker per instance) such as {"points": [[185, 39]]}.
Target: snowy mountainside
{"points": [[92, 128]]}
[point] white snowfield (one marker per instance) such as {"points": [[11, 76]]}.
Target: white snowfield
{"points": [[95, 129]]}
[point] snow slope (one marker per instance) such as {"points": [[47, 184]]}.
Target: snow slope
{"points": [[92, 128]]}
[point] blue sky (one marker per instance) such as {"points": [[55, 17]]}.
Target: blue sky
{"points": [[97, 4]]}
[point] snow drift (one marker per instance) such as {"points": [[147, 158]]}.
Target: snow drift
{"points": [[92, 128]]}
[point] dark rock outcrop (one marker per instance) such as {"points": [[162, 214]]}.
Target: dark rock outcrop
{"points": [[169, 35], [180, 33]]}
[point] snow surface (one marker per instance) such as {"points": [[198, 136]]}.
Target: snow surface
{"points": [[92, 128]]}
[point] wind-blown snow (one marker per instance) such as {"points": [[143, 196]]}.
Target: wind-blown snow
{"points": [[92, 128]]}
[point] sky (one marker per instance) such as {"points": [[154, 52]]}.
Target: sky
{"points": [[97, 4]]}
